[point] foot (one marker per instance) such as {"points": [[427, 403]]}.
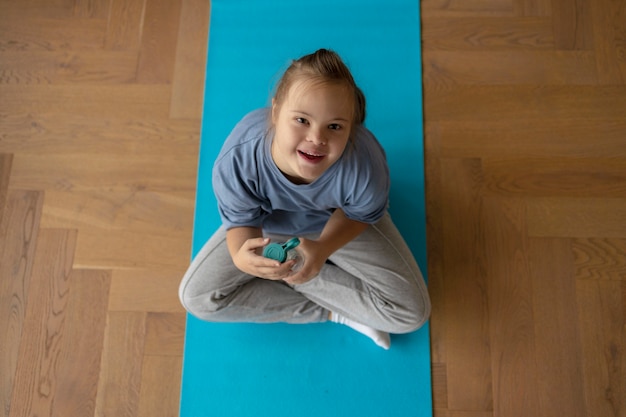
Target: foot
{"points": [[381, 338]]}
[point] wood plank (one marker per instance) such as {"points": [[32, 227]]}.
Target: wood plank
{"points": [[556, 177], [468, 353], [122, 361], [509, 67], [148, 211], [160, 386], [473, 103], [6, 161], [49, 133], [81, 345], [131, 250], [560, 138], [463, 413], [86, 172], [125, 25], [190, 62], [624, 297], [440, 386], [158, 42], [94, 9], [24, 33], [61, 67], [55, 9], [532, 7], [603, 331], [577, 217], [609, 23], [471, 34], [66, 4], [572, 24], [559, 370], [37, 375], [19, 228], [147, 289], [453, 8], [165, 334], [113, 101], [600, 259], [511, 320], [436, 283]]}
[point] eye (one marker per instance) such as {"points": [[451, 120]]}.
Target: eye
{"points": [[335, 126], [302, 120]]}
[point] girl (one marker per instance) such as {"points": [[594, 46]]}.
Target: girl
{"points": [[307, 167]]}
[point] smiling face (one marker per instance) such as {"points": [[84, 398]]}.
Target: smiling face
{"points": [[312, 128]]}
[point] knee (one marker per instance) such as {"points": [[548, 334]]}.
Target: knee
{"points": [[189, 300], [411, 317], [420, 318], [198, 303]]}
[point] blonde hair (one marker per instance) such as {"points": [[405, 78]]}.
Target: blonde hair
{"points": [[324, 66]]}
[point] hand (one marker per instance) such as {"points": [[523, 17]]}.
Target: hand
{"points": [[314, 260], [338, 231], [249, 260]]}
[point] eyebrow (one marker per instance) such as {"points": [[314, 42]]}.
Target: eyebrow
{"points": [[341, 119]]}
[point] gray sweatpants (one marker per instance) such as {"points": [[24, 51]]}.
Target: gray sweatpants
{"points": [[373, 280]]}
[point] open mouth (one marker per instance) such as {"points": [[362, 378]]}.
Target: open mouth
{"points": [[311, 157]]}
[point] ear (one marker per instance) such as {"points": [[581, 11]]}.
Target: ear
{"points": [[274, 110]]}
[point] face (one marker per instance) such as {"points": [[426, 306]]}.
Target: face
{"points": [[312, 128]]}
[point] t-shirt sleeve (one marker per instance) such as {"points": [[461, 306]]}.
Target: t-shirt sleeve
{"points": [[235, 190], [368, 193], [235, 174]]}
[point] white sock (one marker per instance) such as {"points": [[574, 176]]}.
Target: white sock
{"points": [[381, 338]]}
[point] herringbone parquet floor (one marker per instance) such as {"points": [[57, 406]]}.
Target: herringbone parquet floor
{"points": [[525, 118]]}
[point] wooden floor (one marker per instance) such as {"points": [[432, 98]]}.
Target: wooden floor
{"points": [[525, 112]]}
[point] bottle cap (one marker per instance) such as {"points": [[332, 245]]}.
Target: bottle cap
{"points": [[275, 251], [291, 243], [278, 251]]}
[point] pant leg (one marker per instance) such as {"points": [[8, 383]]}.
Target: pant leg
{"points": [[214, 289], [375, 281]]}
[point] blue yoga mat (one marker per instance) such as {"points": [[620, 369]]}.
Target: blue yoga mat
{"points": [[245, 370]]}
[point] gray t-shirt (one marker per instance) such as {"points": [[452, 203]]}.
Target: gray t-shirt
{"points": [[251, 190]]}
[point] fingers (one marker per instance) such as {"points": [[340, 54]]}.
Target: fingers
{"points": [[299, 277], [255, 264], [305, 274], [274, 270], [256, 243]]}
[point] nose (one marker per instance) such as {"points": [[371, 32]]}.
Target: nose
{"points": [[316, 136]]}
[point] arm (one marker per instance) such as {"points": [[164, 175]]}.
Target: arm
{"points": [[338, 231], [245, 245]]}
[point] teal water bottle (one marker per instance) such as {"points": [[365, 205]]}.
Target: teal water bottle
{"points": [[283, 252]]}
